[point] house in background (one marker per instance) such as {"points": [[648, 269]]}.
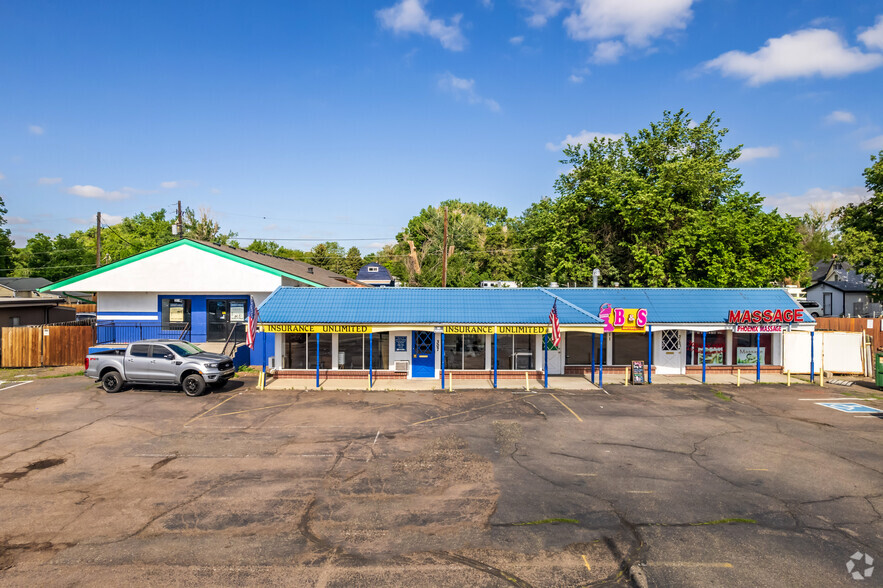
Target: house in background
{"points": [[374, 274], [841, 291], [193, 290], [20, 312], [23, 288]]}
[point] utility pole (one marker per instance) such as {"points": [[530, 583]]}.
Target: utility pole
{"points": [[180, 222], [98, 241], [445, 252]]}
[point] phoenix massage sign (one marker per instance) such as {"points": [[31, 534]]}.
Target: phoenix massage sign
{"points": [[763, 321]]}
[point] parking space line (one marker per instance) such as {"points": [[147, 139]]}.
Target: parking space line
{"points": [[567, 407], [756, 470], [640, 491], [840, 398], [586, 561], [211, 409], [462, 412], [690, 564], [249, 410], [14, 385]]}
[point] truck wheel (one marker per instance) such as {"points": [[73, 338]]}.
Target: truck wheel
{"points": [[112, 382], [194, 385]]}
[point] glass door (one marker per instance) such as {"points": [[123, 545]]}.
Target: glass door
{"points": [[224, 315]]}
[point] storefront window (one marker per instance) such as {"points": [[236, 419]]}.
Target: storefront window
{"points": [[745, 348], [578, 348], [175, 314], [353, 351], [300, 351], [516, 352], [715, 347], [464, 352], [629, 347]]}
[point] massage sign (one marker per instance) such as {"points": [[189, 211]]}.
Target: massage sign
{"points": [[763, 321]]}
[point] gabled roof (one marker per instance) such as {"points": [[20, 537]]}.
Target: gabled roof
{"points": [[24, 284], [295, 270], [381, 274], [576, 306], [842, 286]]}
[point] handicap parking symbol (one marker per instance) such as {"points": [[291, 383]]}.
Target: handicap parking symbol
{"points": [[852, 407]]}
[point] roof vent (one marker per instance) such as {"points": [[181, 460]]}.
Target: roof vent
{"points": [[309, 270]]}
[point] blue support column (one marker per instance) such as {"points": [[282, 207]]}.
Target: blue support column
{"points": [[593, 358], [317, 360], [758, 356], [495, 358], [546, 361], [370, 360], [812, 357], [649, 354], [443, 359], [601, 364], [703, 356]]}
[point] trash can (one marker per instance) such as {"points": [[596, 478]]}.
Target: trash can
{"points": [[878, 370]]}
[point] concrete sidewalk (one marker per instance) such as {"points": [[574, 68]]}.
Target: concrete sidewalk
{"points": [[555, 382]]}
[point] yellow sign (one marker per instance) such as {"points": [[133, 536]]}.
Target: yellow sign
{"points": [[522, 330], [277, 328], [469, 330]]}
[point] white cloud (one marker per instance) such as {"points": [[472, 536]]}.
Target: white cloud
{"points": [[608, 52], [803, 54], [17, 220], [409, 16], [464, 89], [487, 3], [542, 10], [825, 199], [840, 116], [96, 192], [583, 138], [80, 221], [872, 38], [874, 143], [621, 24], [517, 40], [110, 219], [168, 185], [575, 79], [215, 191], [48, 181], [752, 153], [36, 130]]}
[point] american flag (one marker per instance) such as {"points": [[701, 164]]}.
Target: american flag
{"points": [[251, 329], [556, 326]]}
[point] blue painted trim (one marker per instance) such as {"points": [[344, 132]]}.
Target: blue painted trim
{"points": [[317, 360], [495, 358], [129, 313], [704, 333], [546, 361], [593, 358], [649, 354], [601, 364], [370, 360], [442, 359], [758, 356]]}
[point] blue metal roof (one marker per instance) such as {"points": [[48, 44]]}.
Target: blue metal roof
{"points": [[682, 305], [417, 306], [577, 306]]}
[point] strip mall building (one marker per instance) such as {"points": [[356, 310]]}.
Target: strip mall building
{"points": [[498, 333]]}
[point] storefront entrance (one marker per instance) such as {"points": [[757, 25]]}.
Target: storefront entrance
{"points": [[222, 316], [423, 354]]}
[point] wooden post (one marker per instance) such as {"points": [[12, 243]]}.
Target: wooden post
{"points": [[98, 240]]}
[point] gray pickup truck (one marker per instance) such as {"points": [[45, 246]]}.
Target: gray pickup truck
{"points": [[160, 361]]}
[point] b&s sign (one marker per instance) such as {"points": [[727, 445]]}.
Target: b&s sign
{"points": [[623, 320]]}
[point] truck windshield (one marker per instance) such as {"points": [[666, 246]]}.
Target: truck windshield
{"points": [[184, 349]]}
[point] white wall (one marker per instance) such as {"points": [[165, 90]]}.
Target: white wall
{"points": [[182, 270], [842, 352], [128, 302]]}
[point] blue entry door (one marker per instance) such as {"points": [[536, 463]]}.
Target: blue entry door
{"points": [[422, 354]]}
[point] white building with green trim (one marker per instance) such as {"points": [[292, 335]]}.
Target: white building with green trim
{"points": [[190, 289]]}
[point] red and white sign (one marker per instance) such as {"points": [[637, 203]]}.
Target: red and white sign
{"points": [[778, 315], [758, 329]]}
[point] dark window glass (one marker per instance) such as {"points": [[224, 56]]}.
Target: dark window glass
{"points": [[350, 350], [745, 348], [380, 351], [715, 347], [175, 314], [516, 352], [296, 351], [159, 351], [324, 352], [578, 348], [629, 347], [473, 352], [140, 351]]}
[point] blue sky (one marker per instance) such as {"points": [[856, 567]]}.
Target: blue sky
{"points": [[341, 120]]}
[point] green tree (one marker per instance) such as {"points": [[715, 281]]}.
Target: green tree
{"points": [[273, 248], [203, 227], [7, 249], [660, 208], [329, 255], [818, 235], [861, 226], [354, 261], [54, 259]]}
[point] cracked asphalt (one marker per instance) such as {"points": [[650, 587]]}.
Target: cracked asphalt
{"points": [[650, 485]]}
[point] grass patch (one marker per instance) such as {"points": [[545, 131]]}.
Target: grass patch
{"points": [[547, 522], [723, 396], [247, 369], [726, 522], [79, 373]]}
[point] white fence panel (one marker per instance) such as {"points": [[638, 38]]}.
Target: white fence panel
{"points": [[843, 352]]}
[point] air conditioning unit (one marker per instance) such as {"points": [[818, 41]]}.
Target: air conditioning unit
{"points": [[271, 362], [401, 365]]}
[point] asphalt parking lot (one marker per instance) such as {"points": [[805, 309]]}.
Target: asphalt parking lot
{"points": [[652, 485]]}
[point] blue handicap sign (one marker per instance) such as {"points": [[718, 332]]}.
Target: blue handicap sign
{"points": [[852, 407]]}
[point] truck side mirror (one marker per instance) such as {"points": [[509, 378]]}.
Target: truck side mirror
{"points": [[169, 356]]}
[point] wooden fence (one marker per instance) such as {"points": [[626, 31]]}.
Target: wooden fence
{"points": [[41, 345], [871, 327], [82, 307]]}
